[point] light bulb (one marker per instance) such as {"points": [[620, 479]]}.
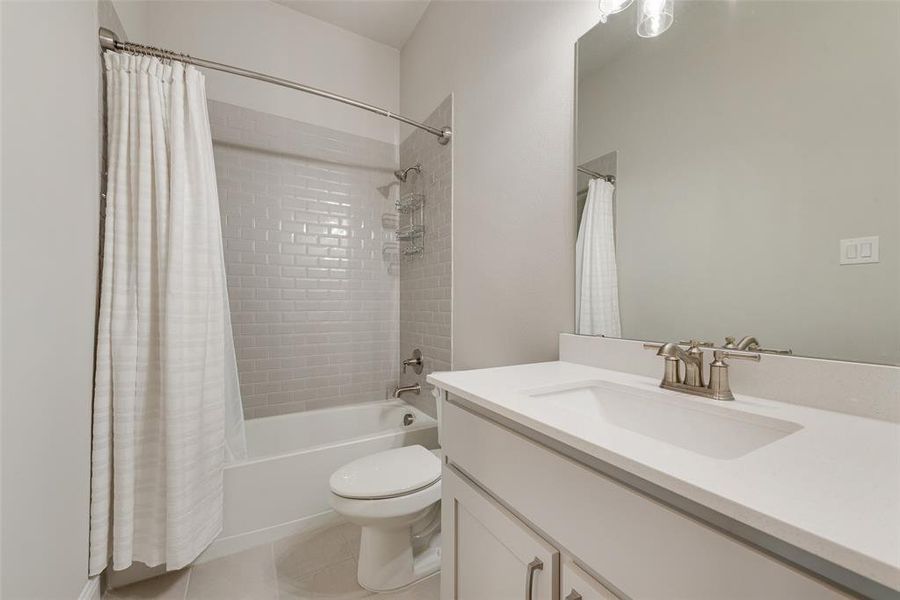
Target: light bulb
{"points": [[654, 17]]}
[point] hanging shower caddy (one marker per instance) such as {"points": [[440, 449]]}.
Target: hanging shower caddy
{"points": [[411, 226]]}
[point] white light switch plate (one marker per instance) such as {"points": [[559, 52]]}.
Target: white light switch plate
{"points": [[859, 251]]}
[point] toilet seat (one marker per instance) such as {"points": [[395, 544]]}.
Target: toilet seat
{"points": [[365, 511], [390, 474]]}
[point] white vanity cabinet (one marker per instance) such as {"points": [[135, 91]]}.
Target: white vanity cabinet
{"points": [[501, 488]]}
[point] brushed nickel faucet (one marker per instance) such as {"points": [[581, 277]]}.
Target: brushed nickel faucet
{"points": [[718, 387], [402, 389], [748, 342]]}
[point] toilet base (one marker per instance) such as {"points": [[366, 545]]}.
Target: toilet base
{"points": [[387, 562]]}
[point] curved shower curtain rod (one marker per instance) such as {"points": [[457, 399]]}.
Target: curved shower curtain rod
{"points": [[610, 178], [110, 41]]}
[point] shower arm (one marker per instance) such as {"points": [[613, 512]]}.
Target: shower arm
{"points": [[110, 41], [401, 174]]}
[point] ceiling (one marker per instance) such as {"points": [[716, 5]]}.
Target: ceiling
{"points": [[390, 22]]}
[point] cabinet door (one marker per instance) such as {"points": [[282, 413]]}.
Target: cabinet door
{"points": [[578, 585], [487, 552]]}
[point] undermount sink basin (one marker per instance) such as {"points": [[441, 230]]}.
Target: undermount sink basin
{"points": [[703, 426]]}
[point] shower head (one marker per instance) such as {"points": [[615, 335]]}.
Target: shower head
{"points": [[401, 174]]}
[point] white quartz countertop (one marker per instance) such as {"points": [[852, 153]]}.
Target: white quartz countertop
{"points": [[831, 489]]}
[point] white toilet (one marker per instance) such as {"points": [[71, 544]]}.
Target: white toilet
{"points": [[395, 496]]}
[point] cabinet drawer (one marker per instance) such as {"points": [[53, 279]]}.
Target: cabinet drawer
{"points": [[641, 547]]}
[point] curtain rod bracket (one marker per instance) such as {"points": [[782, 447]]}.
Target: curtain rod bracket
{"points": [[108, 39]]}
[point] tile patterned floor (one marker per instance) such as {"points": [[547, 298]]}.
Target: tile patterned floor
{"points": [[309, 566]]}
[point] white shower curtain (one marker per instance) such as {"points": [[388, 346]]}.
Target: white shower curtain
{"points": [[167, 411], [596, 278]]}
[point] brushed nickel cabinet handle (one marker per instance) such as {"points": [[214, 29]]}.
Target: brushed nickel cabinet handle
{"points": [[573, 595], [535, 565]]}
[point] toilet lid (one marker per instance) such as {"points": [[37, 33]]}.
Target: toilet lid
{"points": [[386, 474]]}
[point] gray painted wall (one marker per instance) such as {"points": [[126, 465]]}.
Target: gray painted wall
{"points": [[50, 190], [510, 67]]}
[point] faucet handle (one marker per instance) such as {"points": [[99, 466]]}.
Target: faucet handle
{"points": [[415, 362], [693, 343], [774, 351], [721, 355]]}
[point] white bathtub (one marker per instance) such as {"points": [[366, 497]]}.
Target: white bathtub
{"points": [[283, 486]]}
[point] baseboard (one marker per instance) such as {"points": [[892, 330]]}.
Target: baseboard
{"points": [[91, 589], [224, 547]]}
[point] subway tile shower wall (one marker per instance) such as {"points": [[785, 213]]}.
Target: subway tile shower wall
{"points": [[314, 308], [425, 280]]}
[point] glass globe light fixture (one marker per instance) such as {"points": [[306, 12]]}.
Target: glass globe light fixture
{"points": [[611, 7], [655, 17]]}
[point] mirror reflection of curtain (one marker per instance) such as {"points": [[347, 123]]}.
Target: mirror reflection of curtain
{"points": [[596, 277]]}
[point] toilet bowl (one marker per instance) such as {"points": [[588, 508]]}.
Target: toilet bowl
{"points": [[395, 497]]}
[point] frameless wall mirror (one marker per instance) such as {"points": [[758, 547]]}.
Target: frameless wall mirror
{"points": [[739, 175]]}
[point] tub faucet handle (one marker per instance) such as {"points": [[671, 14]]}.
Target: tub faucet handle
{"points": [[415, 362]]}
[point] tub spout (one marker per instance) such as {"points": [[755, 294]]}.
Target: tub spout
{"points": [[415, 388]]}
